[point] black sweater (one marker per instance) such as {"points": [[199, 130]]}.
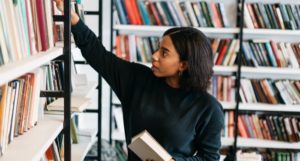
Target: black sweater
{"points": [[183, 122]]}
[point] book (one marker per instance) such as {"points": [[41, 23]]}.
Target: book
{"points": [[146, 147], [77, 105]]}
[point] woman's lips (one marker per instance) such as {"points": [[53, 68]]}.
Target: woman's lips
{"points": [[154, 68]]}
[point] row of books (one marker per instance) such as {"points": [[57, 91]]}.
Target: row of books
{"points": [[30, 28], [26, 27], [268, 127], [256, 91], [55, 151], [135, 48], [270, 91], [225, 51], [20, 103], [19, 106], [228, 131], [223, 88], [270, 53], [272, 16], [255, 52], [55, 77], [171, 13], [252, 154], [281, 155]]}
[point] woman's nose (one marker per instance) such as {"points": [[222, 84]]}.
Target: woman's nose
{"points": [[155, 56]]}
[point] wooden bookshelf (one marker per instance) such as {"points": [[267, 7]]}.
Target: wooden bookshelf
{"points": [[41, 136]]}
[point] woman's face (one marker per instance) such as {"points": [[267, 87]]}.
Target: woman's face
{"points": [[166, 61]]}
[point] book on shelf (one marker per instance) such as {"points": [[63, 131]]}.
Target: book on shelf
{"points": [[146, 147], [78, 104]]}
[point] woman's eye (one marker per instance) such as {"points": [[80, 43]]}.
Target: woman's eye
{"points": [[164, 53]]}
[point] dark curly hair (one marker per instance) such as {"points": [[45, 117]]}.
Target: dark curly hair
{"points": [[194, 47]]}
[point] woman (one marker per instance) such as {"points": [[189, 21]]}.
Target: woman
{"points": [[170, 99]]}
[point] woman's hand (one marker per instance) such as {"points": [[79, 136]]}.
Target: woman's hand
{"points": [[74, 16]]}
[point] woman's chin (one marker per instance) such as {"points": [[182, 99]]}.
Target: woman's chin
{"points": [[155, 73]]}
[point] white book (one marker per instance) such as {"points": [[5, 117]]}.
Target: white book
{"points": [[247, 17], [78, 104], [292, 56], [191, 13], [146, 147]]}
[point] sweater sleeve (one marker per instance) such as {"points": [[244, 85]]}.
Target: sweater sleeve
{"points": [[117, 72], [208, 136]]}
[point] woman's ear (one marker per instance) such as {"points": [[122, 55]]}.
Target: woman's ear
{"points": [[183, 66]]}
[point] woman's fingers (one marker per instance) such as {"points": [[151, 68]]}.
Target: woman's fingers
{"points": [[60, 5]]}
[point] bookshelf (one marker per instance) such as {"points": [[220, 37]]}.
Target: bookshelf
{"points": [[271, 73], [39, 138], [80, 150], [80, 98], [242, 142], [258, 143], [262, 107], [16, 69], [159, 30], [43, 134], [229, 32], [286, 35], [246, 72], [93, 18]]}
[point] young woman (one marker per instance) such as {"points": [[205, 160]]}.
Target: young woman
{"points": [[170, 99]]}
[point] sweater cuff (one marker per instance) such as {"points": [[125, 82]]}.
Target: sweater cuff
{"points": [[78, 27]]}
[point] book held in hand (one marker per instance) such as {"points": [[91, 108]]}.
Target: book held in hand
{"points": [[146, 147]]}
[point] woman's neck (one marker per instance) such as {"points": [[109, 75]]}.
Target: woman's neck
{"points": [[173, 82]]}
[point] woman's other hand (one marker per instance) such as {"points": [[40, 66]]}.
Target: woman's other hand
{"points": [[74, 16]]}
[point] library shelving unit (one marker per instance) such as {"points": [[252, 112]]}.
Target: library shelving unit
{"points": [[79, 151], [229, 32], [44, 133], [272, 73], [88, 141], [237, 30]]}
